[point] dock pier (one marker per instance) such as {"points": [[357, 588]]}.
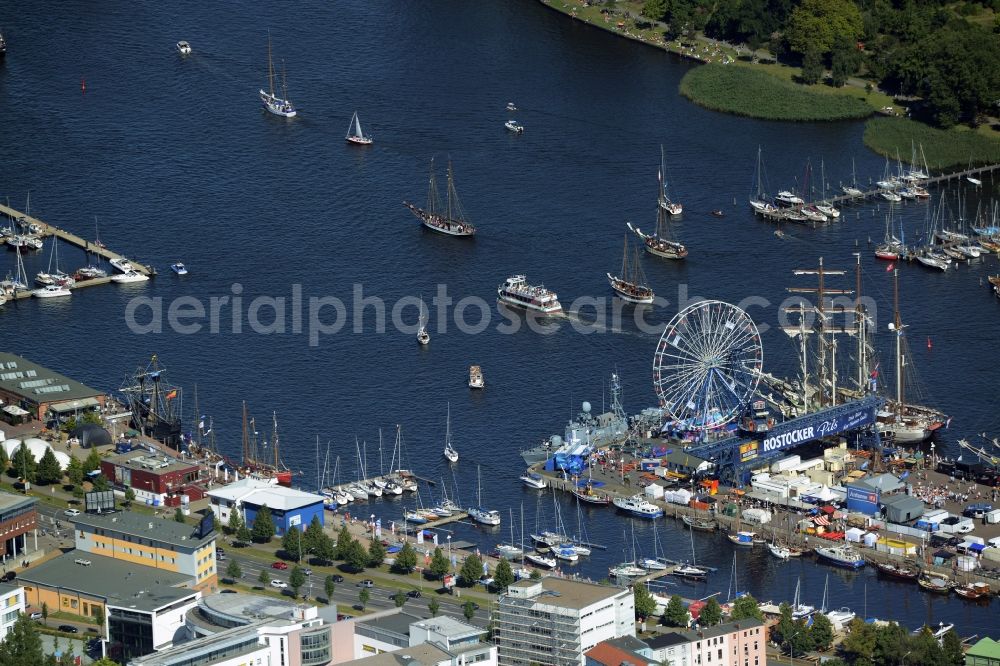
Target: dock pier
{"points": [[91, 247]]}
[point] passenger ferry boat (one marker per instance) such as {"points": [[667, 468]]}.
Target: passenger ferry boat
{"points": [[517, 292], [476, 377], [841, 556], [637, 506]]}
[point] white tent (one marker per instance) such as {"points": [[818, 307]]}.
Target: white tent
{"points": [[37, 448], [854, 535]]}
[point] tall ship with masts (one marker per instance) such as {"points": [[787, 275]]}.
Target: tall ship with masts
{"points": [[661, 243], [156, 405], [448, 219], [256, 461], [279, 106], [630, 284]]}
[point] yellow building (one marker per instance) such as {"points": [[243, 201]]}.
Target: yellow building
{"points": [[150, 542]]}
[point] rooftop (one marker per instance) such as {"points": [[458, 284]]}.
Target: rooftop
{"points": [[425, 654], [397, 623], [146, 461], [11, 501], [449, 627], [120, 584], [38, 384], [234, 643], [612, 655], [986, 647], [902, 501], [260, 493], [885, 483], [678, 636], [7, 588], [566, 593], [247, 608], [163, 530]]}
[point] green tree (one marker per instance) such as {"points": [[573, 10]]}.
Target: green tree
{"points": [[645, 604], [439, 564], [469, 610], [48, 470], [74, 471], [535, 574], [859, 643], [4, 460], [785, 626], [325, 551], [233, 570], [817, 23], [399, 598], [104, 661], [745, 607], [263, 577], [471, 571], [344, 540], [329, 587], [296, 580], [821, 631], [812, 66], [243, 534], [655, 9], [179, 515], [23, 465], [291, 543], [363, 596], [711, 613], [675, 614], [45, 613], [235, 521], [406, 559], [951, 647], [890, 644], [92, 462], [100, 482], [503, 576], [800, 640], [434, 607], [844, 60], [356, 556], [263, 526], [312, 536], [23, 645], [376, 553], [129, 496]]}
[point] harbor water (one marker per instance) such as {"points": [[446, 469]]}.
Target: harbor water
{"points": [[177, 161]]}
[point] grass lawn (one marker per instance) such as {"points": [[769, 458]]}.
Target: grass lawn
{"points": [[944, 149]]}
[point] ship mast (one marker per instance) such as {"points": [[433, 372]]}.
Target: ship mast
{"points": [[274, 440], [897, 326], [432, 195], [270, 65], [246, 437]]}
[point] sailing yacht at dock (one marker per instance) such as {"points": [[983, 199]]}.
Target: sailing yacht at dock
{"points": [[279, 106], [449, 219]]}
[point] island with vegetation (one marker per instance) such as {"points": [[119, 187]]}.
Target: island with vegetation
{"points": [[929, 68]]}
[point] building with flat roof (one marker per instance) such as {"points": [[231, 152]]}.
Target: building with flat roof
{"points": [[42, 392], [12, 604], [554, 621], [18, 518], [985, 652], [740, 643], [141, 609], [289, 507], [159, 543], [154, 478], [427, 654]]}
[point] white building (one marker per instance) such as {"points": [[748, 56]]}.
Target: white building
{"points": [[739, 643], [554, 621], [395, 631], [11, 605]]}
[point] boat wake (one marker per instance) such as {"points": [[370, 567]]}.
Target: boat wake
{"points": [[594, 324]]}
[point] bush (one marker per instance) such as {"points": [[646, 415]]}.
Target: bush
{"points": [[944, 149], [744, 91]]}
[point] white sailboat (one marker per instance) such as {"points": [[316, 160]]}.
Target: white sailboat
{"points": [[423, 337], [279, 106], [449, 451], [355, 135], [512, 551], [479, 513], [54, 275], [672, 207], [661, 243]]}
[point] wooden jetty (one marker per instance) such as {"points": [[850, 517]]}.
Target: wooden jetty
{"points": [[46, 229]]}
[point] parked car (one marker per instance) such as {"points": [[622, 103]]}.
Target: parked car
{"points": [[280, 584], [68, 628], [337, 578], [367, 582], [413, 594], [71, 512], [307, 571], [279, 565], [82, 561], [7, 577], [36, 615]]}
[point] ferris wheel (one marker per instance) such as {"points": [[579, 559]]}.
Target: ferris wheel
{"points": [[707, 365]]}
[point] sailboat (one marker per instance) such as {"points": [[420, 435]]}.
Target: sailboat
{"points": [[672, 207], [423, 337], [654, 563], [691, 571], [800, 611], [891, 247], [852, 190], [907, 424], [512, 551], [479, 513], [448, 220], [630, 284], [825, 207], [759, 201], [279, 106], [660, 244], [54, 276], [355, 135], [449, 451]]}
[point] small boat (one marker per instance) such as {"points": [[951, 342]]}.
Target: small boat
{"points": [[933, 262], [565, 553], [700, 524], [517, 292], [121, 263], [841, 556], [969, 251], [357, 491], [779, 551], [536, 481], [718, 213], [476, 377], [51, 291], [540, 560], [889, 195], [449, 451], [423, 337], [514, 126], [789, 199], [812, 214], [90, 271], [588, 495], [779, 233], [373, 490], [279, 106], [742, 538], [637, 505], [690, 572], [851, 191], [511, 106], [3, 46], [626, 570], [672, 207], [509, 551], [179, 268], [841, 617], [131, 276], [449, 219], [414, 517], [936, 583], [630, 284], [887, 251], [355, 135], [973, 591], [479, 513], [651, 564], [974, 181], [183, 47], [392, 488], [900, 572]]}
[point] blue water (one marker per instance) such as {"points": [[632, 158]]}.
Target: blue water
{"points": [[176, 160]]}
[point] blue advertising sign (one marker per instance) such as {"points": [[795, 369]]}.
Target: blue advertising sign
{"points": [[862, 500], [781, 438]]}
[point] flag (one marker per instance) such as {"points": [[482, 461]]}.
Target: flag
{"points": [[888, 269], [172, 395], [201, 425], [875, 372]]}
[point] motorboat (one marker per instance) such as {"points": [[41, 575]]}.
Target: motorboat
{"points": [[121, 263], [787, 198], [89, 272], [511, 106], [779, 551], [392, 488], [52, 291], [652, 564], [131, 276], [179, 268], [626, 570], [514, 126], [517, 292], [637, 505], [742, 538], [841, 556], [540, 560], [690, 572], [841, 617], [536, 481], [414, 517], [890, 195], [476, 377], [565, 553], [183, 48], [484, 516]]}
